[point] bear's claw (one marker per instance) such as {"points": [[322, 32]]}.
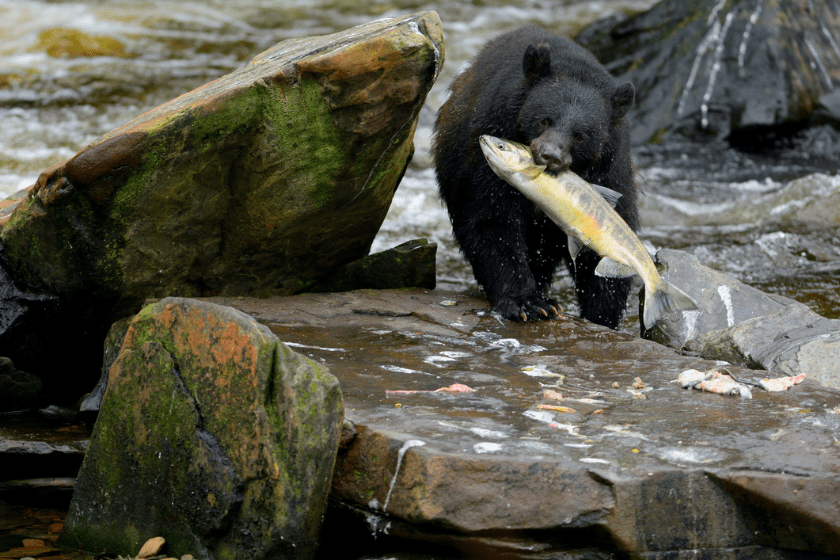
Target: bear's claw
{"points": [[526, 308]]}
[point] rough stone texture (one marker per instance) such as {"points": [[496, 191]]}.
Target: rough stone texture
{"points": [[742, 325], [722, 68], [678, 474], [790, 341], [261, 182], [722, 301], [409, 265], [212, 434]]}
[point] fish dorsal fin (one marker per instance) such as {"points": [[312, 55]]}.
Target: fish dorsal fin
{"points": [[610, 195], [574, 247], [609, 268], [533, 171]]}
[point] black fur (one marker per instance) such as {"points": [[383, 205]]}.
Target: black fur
{"points": [[548, 92]]}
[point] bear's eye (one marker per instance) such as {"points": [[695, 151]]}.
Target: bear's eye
{"points": [[579, 138], [545, 122]]}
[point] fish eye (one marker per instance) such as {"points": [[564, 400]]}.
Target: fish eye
{"points": [[500, 146]]}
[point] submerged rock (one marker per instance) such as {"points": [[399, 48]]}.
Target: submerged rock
{"points": [[261, 182], [745, 326], [213, 435], [725, 69]]}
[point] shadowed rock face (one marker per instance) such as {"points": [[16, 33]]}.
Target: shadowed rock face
{"points": [[212, 434], [261, 182], [725, 69]]}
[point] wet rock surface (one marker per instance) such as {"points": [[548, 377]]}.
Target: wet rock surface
{"points": [[742, 325], [641, 467], [211, 434], [722, 301], [723, 69], [791, 341]]}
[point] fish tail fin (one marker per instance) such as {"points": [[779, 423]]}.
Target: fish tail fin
{"points": [[665, 299]]}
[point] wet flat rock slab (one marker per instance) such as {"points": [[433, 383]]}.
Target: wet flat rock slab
{"points": [[648, 470]]}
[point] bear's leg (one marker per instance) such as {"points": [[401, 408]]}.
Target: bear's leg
{"points": [[499, 257], [602, 300], [546, 248]]}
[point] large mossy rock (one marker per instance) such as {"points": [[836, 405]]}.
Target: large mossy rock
{"points": [[723, 67], [259, 183], [212, 434]]}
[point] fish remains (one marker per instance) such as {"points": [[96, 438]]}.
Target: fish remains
{"points": [[585, 213]]}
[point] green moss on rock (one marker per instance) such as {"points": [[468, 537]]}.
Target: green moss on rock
{"points": [[212, 434]]}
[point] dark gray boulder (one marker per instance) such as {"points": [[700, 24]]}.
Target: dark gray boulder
{"points": [[722, 301], [745, 326], [788, 342], [724, 69]]}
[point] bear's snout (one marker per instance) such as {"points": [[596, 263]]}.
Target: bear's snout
{"points": [[554, 157]]}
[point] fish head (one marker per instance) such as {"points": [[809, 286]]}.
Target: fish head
{"points": [[507, 157]]}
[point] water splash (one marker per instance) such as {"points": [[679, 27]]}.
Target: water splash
{"points": [[487, 447], [406, 446]]}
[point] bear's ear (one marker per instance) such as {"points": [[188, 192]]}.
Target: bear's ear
{"points": [[536, 63], [622, 99]]}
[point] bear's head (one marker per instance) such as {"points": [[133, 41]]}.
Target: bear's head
{"points": [[566, 121]]}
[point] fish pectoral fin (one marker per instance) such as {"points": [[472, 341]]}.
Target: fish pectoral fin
{"points": [[574, 247], [609, 195], [533, 171], [609, 268]]}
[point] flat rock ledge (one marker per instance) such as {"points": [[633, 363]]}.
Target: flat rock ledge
{"points": [[648, 471]]}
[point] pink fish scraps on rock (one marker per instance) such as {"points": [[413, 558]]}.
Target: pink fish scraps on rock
{"points": [[781, 383], [454, 388]]}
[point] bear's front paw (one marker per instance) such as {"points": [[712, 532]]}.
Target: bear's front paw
{"points": [[529, 307]]}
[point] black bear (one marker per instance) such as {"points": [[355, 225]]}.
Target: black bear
{"points": [[550, 93]]}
